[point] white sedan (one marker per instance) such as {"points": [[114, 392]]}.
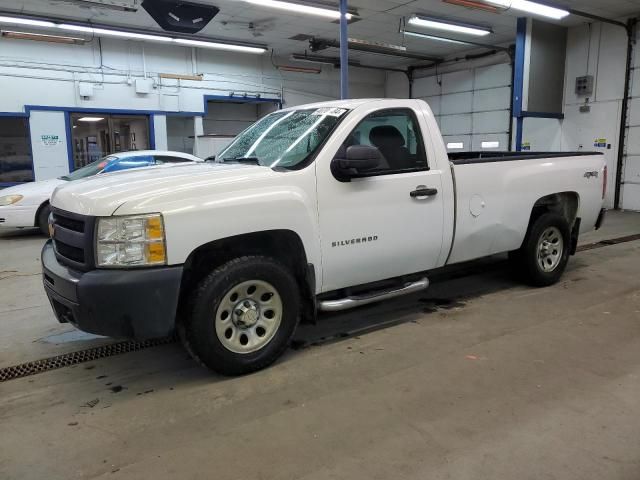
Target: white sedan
{"points": [[27, 205]]}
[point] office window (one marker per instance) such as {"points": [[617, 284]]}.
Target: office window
{"points": [[98, 135], [16, 163]]}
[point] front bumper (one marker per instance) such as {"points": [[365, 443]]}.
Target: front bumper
{"points": [[18, 216], [137, 304]]}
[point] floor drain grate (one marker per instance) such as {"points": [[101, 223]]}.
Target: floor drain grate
{"points": [[74, 358], [610, 242]]}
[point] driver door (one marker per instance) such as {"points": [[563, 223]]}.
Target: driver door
{"points": [[373, 227]]}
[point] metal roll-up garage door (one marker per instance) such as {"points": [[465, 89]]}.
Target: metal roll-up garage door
{"points": [[472, 106]]}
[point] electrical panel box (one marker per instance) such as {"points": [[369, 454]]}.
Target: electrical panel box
{"points": [[584, 85], [144, 85], [85, 90]]}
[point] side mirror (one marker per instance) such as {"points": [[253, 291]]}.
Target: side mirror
{"points": [[358, 160]]}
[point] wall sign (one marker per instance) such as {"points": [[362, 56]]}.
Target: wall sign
{"points": [[600, 143], [50, 140]]}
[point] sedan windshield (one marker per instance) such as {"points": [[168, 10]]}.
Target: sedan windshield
{"points": [[89, 170], [284, 139]]}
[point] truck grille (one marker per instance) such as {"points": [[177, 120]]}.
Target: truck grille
{"points": [[73, 238]]}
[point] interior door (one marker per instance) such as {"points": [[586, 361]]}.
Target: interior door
{"points": [[389, 222]]}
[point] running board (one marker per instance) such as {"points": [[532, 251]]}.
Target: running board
{"points": [[360, 300]]}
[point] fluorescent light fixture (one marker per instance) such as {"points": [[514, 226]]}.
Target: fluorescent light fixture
{"points": [[490, 144], [41, 37], [90, 119], [220, 46], [434, 37], [437, 24], [98, 31], [114, 33], [455, 146], [300, 8], [26, 21], [532, 7]]}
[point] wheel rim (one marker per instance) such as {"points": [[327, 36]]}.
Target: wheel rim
{"points": [[550, 249], [248, 316]]}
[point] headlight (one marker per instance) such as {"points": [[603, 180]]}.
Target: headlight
{"points": [[10, 200], [131, 241]]}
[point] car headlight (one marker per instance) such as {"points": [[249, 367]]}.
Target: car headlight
{"points": [[10, 200], [131, 241]]}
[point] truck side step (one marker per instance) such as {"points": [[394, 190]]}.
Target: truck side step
{"points": [[359, 300]]}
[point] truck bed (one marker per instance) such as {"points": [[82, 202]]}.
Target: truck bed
{"points": [[495, 193], [463, 158]]}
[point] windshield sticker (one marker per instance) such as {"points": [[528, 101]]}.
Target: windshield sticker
{"points": [[330, 112]]}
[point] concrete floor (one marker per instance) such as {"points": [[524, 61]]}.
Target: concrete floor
{"points": [[480, 378]]}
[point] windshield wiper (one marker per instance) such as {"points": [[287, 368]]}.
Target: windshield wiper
{"points": [[250, 160], [65, 178]]}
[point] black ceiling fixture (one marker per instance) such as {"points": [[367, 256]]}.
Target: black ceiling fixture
{"points": [[179, 16]]}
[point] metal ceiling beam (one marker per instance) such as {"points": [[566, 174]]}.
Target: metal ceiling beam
{"points": [[318, 44], [335, 62]]}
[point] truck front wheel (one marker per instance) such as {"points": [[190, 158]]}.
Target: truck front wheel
{"points": [[544, 255], [242, 315]]}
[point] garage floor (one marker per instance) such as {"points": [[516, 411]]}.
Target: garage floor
{"points": [[480, 378]]}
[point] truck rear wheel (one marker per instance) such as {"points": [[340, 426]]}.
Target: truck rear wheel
{"points": [[242, 315], [544, 255]]}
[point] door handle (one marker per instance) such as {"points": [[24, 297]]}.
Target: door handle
{"points": [[424, 192]]}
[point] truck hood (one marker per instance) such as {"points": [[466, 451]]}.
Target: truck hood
{"points": [[144, 189]]}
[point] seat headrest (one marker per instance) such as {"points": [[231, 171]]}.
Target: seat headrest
{"points": [[386, 136]]}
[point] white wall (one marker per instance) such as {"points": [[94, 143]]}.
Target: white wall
{"points": [[44, 74], [598, 50]]}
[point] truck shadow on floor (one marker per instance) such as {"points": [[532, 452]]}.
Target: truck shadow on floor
{"points": [[450, 289]]}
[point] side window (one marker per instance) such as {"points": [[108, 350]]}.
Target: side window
{"points": [[162, 159], [396, 134]]}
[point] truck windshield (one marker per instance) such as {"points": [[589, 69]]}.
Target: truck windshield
{"points": [[89, 170], [284, 139]]}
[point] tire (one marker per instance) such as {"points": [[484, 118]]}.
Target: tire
{"points": [[42, 220], [242, 315], [544, 255]]}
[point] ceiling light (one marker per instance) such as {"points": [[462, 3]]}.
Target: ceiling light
{"points": [[427, 22], [26, 21], [113, 33], [295, 69], [40, 37], [473, 4], [300, 8], [90, 119], [532, 7], [434, 37], [220, 46], [121, 6]]}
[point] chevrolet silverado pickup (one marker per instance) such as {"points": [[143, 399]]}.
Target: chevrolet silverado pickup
{"points": [[321, 207]]}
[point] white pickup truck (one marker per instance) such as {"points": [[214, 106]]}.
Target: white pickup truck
{"points": [[319, 207]]}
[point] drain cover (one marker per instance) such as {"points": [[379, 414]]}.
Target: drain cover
{"points": [[74, 358]]}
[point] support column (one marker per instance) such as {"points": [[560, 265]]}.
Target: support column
{"points": [[344, 51]]}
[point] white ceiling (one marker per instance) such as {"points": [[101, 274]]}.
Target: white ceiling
{"points": [[379, 21]]}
